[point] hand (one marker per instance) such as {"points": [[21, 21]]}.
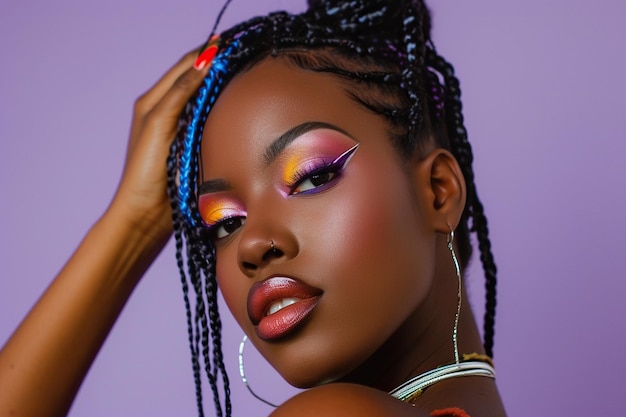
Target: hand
{"points": [[141, 198], [51, 351]]}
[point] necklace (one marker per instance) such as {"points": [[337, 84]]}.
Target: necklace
{"points": [[414, 387]]}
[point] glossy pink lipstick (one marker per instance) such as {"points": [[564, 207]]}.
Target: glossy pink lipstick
{"points": [[279, 305]]}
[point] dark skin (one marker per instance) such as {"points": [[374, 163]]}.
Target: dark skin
{"points": [[381, 207], [50, 353]]}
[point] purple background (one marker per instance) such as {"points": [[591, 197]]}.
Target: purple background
{"points": [[545, 98]]}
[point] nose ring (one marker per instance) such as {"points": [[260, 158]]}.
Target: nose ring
{"points": [[272, 246]]}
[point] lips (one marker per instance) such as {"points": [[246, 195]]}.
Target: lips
{"points": [[279, 305]]}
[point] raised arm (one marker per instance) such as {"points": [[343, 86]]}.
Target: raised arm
{"points": [[44, 362]]}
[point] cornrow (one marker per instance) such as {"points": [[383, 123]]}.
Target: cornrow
{"points": [[413, 39], [384, 51]]}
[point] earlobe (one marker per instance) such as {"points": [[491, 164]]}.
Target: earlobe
{"points": [[441, 176]]}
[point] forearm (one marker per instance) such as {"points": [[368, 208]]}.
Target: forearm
{"points": [[46, 359]]}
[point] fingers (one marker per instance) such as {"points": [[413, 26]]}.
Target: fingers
{"points": [[178, 94], [159, 108], [162, 120], [141, 199], [148, 100]]}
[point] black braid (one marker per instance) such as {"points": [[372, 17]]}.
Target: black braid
{"points": [[207, 256], [179, 226], [198, 260], [489, 265], [462, 151], [413, 40], [194, 267]]}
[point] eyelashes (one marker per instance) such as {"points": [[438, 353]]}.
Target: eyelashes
{"points": [[223, 217], [320, 178], [226, 226]]}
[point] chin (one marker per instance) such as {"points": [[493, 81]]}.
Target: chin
{"points": [[310, 372], [306, 383]]}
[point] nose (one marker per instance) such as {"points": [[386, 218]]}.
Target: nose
{"points": [[262, 246]]}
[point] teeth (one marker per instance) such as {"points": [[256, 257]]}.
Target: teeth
{"points": [[279, 305]]}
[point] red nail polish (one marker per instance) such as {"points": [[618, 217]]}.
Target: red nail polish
{"points": [[206, 57]]}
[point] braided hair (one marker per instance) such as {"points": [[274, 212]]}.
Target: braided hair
{"points": [[383, 49]]}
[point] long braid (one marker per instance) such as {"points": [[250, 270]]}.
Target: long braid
{"points": [[207, 253], [458, 141], [201, 319], [489, 265], [197, 265], [462, 151], [179, 225], [203, 322], [195, 259]]}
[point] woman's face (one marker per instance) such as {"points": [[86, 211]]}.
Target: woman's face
{"points": [[323, 250]]}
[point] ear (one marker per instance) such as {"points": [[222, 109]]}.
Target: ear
{"points": [[441, 186]]}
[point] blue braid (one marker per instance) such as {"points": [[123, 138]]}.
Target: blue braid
{"points": [[209, 91]]}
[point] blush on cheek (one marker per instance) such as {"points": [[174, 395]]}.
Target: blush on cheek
{"points": [[386, 217], [381, 235]]}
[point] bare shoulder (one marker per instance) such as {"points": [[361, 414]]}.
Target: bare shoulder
{"points": [[345, 400]]}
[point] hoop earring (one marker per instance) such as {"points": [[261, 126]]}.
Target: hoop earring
{"points": [[243, 373], [457, 269]]}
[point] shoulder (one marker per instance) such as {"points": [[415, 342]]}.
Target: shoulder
{"points": [[345, 400]]}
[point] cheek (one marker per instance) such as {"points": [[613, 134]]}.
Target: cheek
{"points": [[388, 248], [378, 226], [370, 249], [376, 246]]}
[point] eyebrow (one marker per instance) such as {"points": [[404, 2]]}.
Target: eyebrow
{"points": [[277, 146], [271, 152], [213, 186]]}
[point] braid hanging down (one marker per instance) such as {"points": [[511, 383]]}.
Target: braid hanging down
{"points": [[385, 51]]}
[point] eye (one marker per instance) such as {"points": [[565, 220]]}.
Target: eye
{"points": [[322, 178], [314, 181], [226, 227], [222, 214]]}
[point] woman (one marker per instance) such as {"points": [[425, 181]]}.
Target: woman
{"points": [[322, 177]]}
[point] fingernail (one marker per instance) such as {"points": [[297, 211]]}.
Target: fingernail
{"points": [[206, 57]]}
